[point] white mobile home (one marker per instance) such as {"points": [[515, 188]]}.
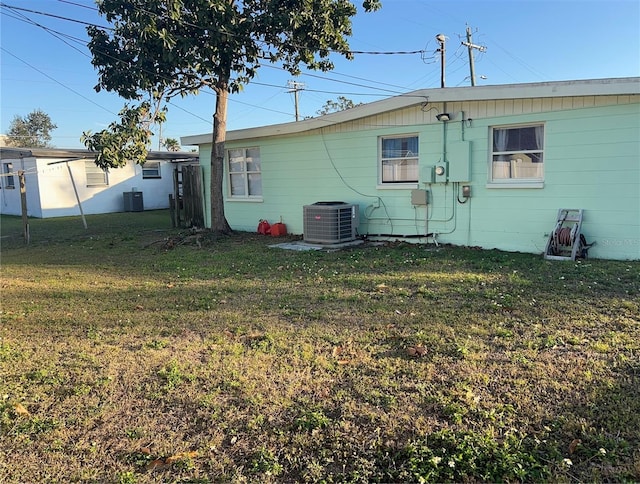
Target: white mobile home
{"points": [[58, 180]]}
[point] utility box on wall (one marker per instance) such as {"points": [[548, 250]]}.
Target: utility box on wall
{"points": [[459, 157], [133, 201], [419, 197], [427, 174]]}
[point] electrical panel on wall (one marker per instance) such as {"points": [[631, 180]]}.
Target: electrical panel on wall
{"points": [[459, 157], [427, 174]]}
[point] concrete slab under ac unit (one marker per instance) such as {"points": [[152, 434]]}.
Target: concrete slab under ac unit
{"points": [[302, 245]]}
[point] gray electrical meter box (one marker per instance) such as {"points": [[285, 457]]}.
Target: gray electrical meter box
{"points": [[419, 197]]}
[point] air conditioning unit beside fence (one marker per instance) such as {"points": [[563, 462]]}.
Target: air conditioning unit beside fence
{"points": [[330, 222]]}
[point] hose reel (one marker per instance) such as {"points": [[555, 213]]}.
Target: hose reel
{"points": [[566, 242]]}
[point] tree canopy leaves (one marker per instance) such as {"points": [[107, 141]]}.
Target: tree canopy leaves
{"points": [[178, 47], [171, 144], [31, 131], [126, 140], [341, 104]]}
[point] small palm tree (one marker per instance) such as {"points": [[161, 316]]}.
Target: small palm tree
{"points": [[171, 144]]}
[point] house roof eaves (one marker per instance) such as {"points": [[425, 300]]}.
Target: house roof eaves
{"points": [[9, 152], [589, 87]]}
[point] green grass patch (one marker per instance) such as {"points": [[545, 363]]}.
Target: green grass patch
{"points": [[140, 353], [448, 456]]}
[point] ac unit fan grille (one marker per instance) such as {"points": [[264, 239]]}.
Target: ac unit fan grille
{"points": [[330, 223]]}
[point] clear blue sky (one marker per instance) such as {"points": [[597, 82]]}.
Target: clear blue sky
{"points": [[45, 63]]}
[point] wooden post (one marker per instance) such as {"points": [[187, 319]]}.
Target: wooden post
{"points": [[172, 212], [23, 204], [176, 193], [75, 190]]}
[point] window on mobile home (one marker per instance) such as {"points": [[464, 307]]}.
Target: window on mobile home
{"points": [[151, 169], [518, 154], [245, 173], [8, 178], [96, 176]]}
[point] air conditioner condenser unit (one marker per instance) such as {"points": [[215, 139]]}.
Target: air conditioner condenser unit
{"points": [[330, 222]]}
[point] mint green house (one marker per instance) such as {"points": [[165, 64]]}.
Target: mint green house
{"points": [[486, 166]]}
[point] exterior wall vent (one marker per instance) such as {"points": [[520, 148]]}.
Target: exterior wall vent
{"points": [[330, 222]]}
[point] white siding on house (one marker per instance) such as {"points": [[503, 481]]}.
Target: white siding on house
{"points": [[50, 187]]}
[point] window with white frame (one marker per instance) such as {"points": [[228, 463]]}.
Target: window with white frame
{"points": [[8, 178], [245, 173], [517, 154], [398, 159], [151, 169], [96, 176]]}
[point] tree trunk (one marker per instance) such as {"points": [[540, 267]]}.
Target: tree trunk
{"points": [[219, 223]]}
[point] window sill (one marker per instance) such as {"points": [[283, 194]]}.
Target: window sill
{"points": [[397, 186], [521, 184]]}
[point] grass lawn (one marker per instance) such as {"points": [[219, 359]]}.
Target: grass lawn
{"points": [[129, 353]]}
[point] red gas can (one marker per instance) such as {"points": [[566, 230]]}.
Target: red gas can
{"points": [[278, 229], [264, 227]]}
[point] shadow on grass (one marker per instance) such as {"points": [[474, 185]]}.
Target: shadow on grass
{"points": [[605, 429], [294, 363]]}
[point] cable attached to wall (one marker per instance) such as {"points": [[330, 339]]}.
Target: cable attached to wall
{"points": [[453, 213], [335, 168]]}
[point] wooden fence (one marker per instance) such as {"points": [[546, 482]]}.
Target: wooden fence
{"points": [[187, 201]]}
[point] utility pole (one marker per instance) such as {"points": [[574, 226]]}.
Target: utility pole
{"points": [[441, 40], [294, 87], [470, 46]]}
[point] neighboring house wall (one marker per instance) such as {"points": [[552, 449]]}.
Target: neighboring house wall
{"points": [[10, 199], [591, 152], [50, 190]]}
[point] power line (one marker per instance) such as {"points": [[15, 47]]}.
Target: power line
{"points": [[13, 7], [79, 5], [54, 80], [54, 33], [203, 91], [57, 34], [393, 52], [361, 52], [308, 74], [270, 66], [61, 36]]}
